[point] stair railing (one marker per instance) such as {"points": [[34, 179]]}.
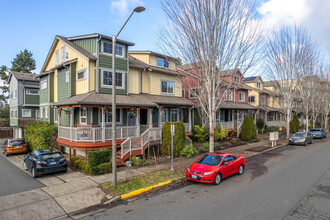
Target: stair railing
{"points": [[129, 141]]}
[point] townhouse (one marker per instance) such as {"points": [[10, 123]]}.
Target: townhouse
{"points": [[23, 100], [265, 96], [76, 93]]}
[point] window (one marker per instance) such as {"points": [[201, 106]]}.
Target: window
{"points": [[44, 84], [236, 79], [252, 99], [163, 63], [229, 95], [81, 75], [107, 48], [67, 75], [165, 115], [83, 116], [167, 87], [263, 100], [11, 114], [258, 85], [41, 112], [56, 57], [15, 114], [174, 115], [108, 116], [55, 115], [194, 93], [183, 93], [107, 79], [241, 96], [32, 91], [37, 113], [11, 94], [15, 93], [63, 54], [26, 113], [46, 112]]}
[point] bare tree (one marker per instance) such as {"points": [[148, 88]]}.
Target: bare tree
{"points": [[325, 94], [288, 50], [212, 36]]}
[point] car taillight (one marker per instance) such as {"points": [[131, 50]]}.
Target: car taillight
{"points": [[40, 162], [9, 146]]}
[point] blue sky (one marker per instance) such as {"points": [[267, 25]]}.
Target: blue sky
{"points": [[33, 24]]}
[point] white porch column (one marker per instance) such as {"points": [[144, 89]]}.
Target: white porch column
{"points": [[189, 119], [266, 117], [71, 122], [103, 124], [137, 122], [58, 121], [232, 118], [150, 117], [160, 116]]}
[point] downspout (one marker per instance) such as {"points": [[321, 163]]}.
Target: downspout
{"points": [[97, 66]]}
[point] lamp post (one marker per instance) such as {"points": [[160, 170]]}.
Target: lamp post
{"points": [[114, 133]]}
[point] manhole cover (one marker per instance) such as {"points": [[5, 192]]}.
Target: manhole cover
{"points": [[258, 149]]}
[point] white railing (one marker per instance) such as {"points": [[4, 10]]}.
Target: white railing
{"points": [[94, 134]]}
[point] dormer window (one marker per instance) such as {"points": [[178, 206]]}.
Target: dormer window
{"points": [[56, 57], [258, 85], [236, 79], [107, 48], [162, 63]]}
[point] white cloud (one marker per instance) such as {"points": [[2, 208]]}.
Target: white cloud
{"points": [[123, 7]]}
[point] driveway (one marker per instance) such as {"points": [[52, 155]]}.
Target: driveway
{"points": [[14, 180]]}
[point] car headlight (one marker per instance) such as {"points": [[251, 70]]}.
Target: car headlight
{"points": [[207, 173], [188, 169]]}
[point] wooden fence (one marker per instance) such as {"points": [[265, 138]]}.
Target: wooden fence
{"points": [[6, 132]]}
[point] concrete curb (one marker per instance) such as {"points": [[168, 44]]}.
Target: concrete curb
{"points": [[139, 191]]}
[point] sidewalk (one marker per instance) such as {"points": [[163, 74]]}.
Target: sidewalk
{"points": [[67, 193]]}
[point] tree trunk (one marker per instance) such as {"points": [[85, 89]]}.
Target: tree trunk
{"points": [[325, 122], [288, 117], [211, 138], [307, 123]]}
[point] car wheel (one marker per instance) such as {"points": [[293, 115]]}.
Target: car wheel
{"points": [[312, 141], [306, 143], [240, 170], [6, 154], [24, 166], [217, 179], [34, 172]]}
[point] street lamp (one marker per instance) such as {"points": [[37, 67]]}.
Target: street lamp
{"points": [[114, 133]]}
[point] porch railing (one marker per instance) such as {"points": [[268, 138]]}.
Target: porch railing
{"points": [[94, 134], [186, 126]]}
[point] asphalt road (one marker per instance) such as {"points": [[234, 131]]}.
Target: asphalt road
{"points": [[14, 180], [270, 188]]}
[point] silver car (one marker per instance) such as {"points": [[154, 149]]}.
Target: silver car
{"points": [[301, 138]]}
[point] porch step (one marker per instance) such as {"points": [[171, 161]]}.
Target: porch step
{"points": [[121, 161]]}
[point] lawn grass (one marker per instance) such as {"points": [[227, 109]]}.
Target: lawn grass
{"points": [[138, 182]]}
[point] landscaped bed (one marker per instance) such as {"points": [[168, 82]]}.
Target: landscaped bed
{"points": [[143, 181]]}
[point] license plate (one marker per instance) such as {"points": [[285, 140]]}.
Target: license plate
{"points": [[52, 163], [193, 177]]}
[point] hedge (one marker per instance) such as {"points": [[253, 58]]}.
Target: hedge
{"points": [[248, 131], [294, 124], [38, 135], [97, 157], [179, 138]]}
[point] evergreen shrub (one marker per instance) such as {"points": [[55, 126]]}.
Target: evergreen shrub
{"points": [[179, 138], [188, 151], [97, 157]]}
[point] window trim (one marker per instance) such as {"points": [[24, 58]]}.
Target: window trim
{"points": [[56, 57], [167, 81], [178, 114], [29, 115], [41, 112], [67, 76], [258, 83], [183, 93], [237, 77], [46, 112], [239, 96], [81, 71], [63, 54], [227, 97], [110, 54], [27, 93], [37, 114], [55, 114], [110, 123], [251, 97], [11, 114], [15, 114], [110, 86], [45, 80], [80, 117], [193, 97], [169, 63]]}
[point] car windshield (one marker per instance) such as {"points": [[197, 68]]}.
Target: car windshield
{"points": [[315, 130], [210, 159], [16, 143], [299, 135], [50, 156]]}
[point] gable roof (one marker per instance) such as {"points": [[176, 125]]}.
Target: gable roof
{"points": [[271, 83], [97, 35], [23, 76], [154, 53], [252, 79]]}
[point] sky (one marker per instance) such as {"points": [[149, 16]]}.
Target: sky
{"points": [[33, 24]]}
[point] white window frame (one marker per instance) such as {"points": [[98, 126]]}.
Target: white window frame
{"points": [[163, 62], [81, 71], [259, 87], [109, 123], [11, 94], [177, 115], [117, 45], [29, 93], [56, 57], [167, 81], [67, 76], [239, 94], [15, 114], [42, 84], [165, 115], [190, 94], [229, 95], [46, 112], [55, 115], [41, 112], [239, 79], [183, 93], [63, 54], [37, 113], [110, 86], [85, 116], [29, 113], [11, 114], [250, 97]]}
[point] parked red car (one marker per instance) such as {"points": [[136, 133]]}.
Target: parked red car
{"points": [[213, 167]]}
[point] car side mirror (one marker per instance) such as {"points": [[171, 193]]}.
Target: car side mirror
{"points": [[226, 163]]}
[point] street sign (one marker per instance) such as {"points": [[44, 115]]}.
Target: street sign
{"points": [[273, 136], [172, 134], [172, 129]]}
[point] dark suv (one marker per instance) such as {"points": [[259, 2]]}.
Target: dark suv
{"points": [[317, 133], [40, 162]]}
